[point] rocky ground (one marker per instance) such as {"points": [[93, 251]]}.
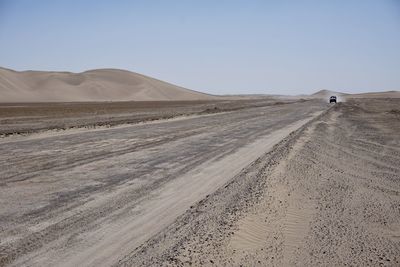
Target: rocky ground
{"points": [[26, 118], [328, 195], [306, 183], [91, 196]]}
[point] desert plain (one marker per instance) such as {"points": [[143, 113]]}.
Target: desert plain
{"points": [[256, 181]]}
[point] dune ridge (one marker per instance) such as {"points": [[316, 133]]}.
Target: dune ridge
{"points": [[324, 93], [92, 85]]}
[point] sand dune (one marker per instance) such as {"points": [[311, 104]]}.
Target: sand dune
{"points": [[93, 85], [326, 93], [388, 94], [116, 85], [343, 97]]}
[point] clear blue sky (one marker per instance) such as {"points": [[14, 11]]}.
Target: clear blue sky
{"points": [[220, 47]]}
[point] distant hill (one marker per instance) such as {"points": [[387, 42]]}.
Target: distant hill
{"points": [[326, 93], [387, 94], [93, 85]]}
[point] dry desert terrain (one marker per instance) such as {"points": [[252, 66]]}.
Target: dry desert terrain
{"points": [[226, 183], [109, 167], [91, 85]]}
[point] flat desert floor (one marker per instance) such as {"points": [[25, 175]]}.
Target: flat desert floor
{"points": [[234, 184], [25, 118]]}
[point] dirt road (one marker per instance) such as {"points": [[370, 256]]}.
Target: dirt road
{"points": [[91, 197], [328, 195]]}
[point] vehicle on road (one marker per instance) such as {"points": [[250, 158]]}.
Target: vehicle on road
{"points": [[332, 99]]}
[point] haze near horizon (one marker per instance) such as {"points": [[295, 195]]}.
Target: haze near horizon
{"points": [[224, 47]]}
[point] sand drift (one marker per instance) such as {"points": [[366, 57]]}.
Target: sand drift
{"points": [[304, 182]]}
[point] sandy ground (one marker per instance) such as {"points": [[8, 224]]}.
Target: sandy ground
{"points": [[21, 118], [306, 183], [92, 85], [327, 195], [91, 197]]}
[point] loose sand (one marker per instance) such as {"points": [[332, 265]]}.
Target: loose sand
{"points": [[93, 85]]}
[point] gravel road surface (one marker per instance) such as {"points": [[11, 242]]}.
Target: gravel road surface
{"points": [[94, 197], [327, 195]]}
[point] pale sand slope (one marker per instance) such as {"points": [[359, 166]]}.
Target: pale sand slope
{"points": [[388, 94], [93, 85], [325, 94]]}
